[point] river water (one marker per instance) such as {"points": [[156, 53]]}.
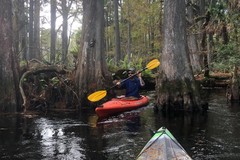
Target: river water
{"points": [[213, 136]]}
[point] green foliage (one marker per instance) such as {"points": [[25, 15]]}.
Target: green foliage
{"points": [[43, 83], [218, 10], [225, 14], [54, 81], [226, 57], [45, 45], [23, 63], [74, 43], [111, 65], [137, 62], [144, 18]]}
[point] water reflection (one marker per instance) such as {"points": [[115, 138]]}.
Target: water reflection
{"points": [[56, 141], [218, 138], [85, 137]]}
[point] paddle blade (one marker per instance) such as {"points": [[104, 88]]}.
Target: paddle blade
{"points": [[96, 96], [153, 64]]}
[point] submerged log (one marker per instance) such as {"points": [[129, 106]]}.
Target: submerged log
{"points": [[215, 80]]}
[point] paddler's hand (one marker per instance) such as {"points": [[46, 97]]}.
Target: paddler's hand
{"points": [[117, 82], [139, 74]]}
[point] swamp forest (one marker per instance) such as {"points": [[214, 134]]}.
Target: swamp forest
{"points": [[55, 54]]}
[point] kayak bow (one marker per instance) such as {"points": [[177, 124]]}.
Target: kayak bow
{"points": [[163, 146]]}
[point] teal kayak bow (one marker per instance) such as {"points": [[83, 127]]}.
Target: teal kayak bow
{"points": [[163, 146]]}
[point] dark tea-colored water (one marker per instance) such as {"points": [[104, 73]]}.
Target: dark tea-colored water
{"points": [[215, 135]]}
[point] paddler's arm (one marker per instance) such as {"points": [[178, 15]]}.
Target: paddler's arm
{"points": [[142, 83]]}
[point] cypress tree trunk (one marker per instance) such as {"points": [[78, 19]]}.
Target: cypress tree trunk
{"points": [[176, 88], [117, 32], [91, 73], [65, 11], [53, 31], [194, 51], [31, 34], [22, 26], [9, 75], [203, 36], [36, 38]]}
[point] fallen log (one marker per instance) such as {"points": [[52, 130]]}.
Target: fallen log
{"points": [[35, 71]]}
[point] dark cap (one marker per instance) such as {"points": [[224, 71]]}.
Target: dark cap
{"points": [[131, 70]]}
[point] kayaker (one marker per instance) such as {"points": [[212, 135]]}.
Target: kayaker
{"points": [[132, 85]]}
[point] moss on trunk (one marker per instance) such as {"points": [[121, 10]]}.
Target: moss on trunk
{"points": [[177, 95]]}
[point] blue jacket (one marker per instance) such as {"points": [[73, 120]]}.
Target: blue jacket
{"points": [[132, 87]]}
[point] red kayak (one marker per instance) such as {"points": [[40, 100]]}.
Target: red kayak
{"points": [[118, 105]]}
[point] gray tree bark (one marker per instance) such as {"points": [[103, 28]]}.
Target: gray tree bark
{"points": [[194, 52], [65, 12], [9, 73], [91, 73], [30, 54], [36, 30], [176, 88], [117, 33], [53, 31]]}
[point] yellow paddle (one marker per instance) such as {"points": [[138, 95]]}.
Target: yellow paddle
{"points": [[98, 95]]}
